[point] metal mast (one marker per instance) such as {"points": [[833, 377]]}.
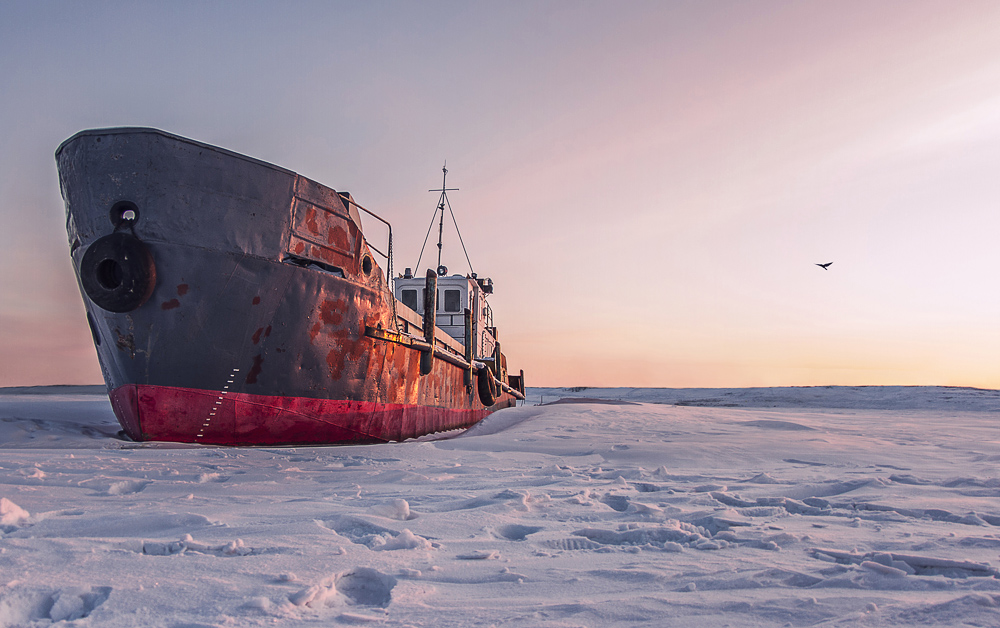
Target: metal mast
{"points": [[440, 207], [442, 201]]}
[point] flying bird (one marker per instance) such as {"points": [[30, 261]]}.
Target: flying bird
{"points": [[825, 266]]}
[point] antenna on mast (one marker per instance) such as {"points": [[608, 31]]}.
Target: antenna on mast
{"points": [[442, 203], [440, 208]]}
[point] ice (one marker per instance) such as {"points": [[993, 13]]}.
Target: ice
{"points": [[396, 509], [740, 507], [11, 514], [405, 540]]}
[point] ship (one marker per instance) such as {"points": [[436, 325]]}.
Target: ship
{"points": [[234, 302]]}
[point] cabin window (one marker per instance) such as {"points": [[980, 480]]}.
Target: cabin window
{"points": [[410, 299], [452, 300]]}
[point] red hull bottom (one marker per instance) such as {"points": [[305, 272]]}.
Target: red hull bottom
{"points": [[190, 415]]}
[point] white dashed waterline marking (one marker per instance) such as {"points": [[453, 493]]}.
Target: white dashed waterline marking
{"points": [[218, 402]]}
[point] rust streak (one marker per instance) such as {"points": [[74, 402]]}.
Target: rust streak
{"points": [[337, 356], [125, 343], [258, 360], [311, 221], [171, 304], [335, 360], [182, 289]]}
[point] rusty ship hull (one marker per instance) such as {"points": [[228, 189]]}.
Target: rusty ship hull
{"points": [[234, 302]]}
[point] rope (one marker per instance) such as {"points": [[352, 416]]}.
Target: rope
{"points": [[471, 269], [416, 268]]}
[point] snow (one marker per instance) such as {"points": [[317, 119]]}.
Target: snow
{"points": [[872, 506]]}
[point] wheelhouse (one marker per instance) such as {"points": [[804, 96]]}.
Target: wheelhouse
{"points": [[455, 294]]}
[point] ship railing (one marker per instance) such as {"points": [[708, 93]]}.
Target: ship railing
{"points": [[387, 255], [442, 351]]}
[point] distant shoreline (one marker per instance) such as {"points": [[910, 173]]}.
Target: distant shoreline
{"points": [[55, 389], [99, 389]]}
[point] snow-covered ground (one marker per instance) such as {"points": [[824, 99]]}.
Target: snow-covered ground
{"points": [[740, 507]]}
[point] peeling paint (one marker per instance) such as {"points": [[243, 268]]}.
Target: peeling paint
{"points": [[311, 221], [337, 237], [331, 311], [126, 342]]}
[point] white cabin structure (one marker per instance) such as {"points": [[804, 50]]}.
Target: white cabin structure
{"points": [[455, 294]]}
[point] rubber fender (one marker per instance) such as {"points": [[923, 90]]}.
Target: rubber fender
{"points": [[487, 387], [118, 273]]}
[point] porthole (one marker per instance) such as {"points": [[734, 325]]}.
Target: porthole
{"points": [[366, 265]]}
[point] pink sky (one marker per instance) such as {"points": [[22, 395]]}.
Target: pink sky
{"points": [[649, 184]]}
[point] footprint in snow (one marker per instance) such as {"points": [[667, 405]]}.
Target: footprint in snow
{"points": [[26, 606], [360, 586], [366, 586], [571, 544], [358, 530], [188, 544], [480, 555], [520, 502], [647, 487], [126, 487], [618, 503], [805, 462], [516, 532], [373, 536]]}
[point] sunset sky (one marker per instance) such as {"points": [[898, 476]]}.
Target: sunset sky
{"points": [[649, 184]]}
